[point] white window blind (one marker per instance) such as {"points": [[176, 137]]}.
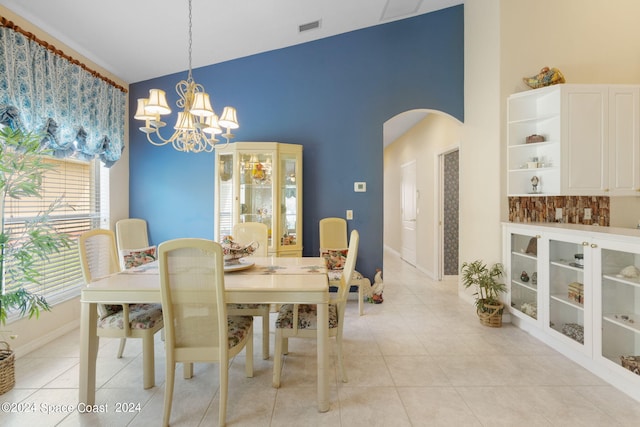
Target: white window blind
{"points": [[79, 184]]}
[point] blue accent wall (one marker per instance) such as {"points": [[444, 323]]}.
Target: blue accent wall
{"points": [[332, 96]]}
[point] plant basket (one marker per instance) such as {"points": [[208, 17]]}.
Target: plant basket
{"points": [[7, 371], [492, 316]]}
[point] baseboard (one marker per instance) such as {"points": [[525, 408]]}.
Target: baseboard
{"points": [[46, 339]]}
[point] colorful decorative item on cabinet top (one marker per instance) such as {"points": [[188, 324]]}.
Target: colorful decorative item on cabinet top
{"points": [[546, 77]]}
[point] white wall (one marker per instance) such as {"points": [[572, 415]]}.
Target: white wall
{"points": [[595, 41], [480, 151], [434, 134], [64, 317]]}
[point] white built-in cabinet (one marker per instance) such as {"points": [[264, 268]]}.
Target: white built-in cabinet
{"points": [[591, 140], [261, 182], [594, 326]]}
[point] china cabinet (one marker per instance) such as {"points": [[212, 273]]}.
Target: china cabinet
{"points": [[586, 294], [574, 139], [261, 182]]}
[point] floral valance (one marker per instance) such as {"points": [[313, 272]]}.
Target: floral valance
{"points": [[79, 114]]}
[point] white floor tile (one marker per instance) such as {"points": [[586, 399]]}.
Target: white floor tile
{"points": [[421, 358]]}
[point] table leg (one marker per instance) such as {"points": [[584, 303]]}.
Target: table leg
{"points": [[323, 357], [88, 353]]}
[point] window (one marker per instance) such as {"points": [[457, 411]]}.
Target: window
{"points": [[84, 187]]}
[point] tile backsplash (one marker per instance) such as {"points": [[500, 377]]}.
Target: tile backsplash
{"points": [[543, 209]]}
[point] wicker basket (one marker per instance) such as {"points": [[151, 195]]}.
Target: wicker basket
{"points": [[7, 371], [492, 316]]}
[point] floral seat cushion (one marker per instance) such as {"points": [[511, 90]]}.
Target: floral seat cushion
{"points": [[335, 275], [238, 328], [129, 258], [334, 258], [307, 316], [141, 316]]}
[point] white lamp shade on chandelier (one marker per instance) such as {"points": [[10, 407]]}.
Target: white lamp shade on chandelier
{"points": [[196, 125]]}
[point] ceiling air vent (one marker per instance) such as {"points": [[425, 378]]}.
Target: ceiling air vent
{"points": [[309, 26]]}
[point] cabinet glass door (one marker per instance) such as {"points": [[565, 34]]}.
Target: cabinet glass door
{"points": [[621, 307], [289, 215], [524, 275], [256, 189], [225, 195], [567, 289]]}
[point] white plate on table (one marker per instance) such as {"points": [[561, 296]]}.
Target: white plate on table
{"points": [[242, 265]]}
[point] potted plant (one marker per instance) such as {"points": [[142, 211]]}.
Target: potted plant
{"points": [[488, 289], [22, 167]]}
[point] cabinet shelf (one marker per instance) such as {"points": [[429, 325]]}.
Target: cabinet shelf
{"points": [[531, 287], [532, 145], [542, 169], [261, 185], [566, 264], [533, 119], [524, 255], [565, 300], [623, 280], [634, 327]]}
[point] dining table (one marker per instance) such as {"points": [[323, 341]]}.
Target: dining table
{"points": [[270, 280]]}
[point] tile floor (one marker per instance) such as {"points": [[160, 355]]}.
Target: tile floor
{"points": [[419, 359]]}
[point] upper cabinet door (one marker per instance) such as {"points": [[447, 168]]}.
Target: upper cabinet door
{"points": [[624, 140], [584, 140]]}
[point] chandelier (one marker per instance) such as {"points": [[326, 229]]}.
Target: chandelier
{"points": [[197, 124]]}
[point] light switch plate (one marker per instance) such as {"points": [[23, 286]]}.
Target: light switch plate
{"points": [[349, 214], [360, 187], [587, 213]]}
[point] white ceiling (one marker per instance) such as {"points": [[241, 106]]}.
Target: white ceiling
{"points": [[138, 40], [141, 39]]}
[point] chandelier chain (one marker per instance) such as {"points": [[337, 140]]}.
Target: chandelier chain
{"points": [[190, 41]]}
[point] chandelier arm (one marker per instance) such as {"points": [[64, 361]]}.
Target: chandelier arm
{"points": [[163, 141]]}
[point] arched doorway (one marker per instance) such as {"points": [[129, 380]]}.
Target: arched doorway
{"points": [[422, 136]]}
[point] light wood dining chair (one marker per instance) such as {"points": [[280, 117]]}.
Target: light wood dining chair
{"points": [[132, 233], [333, 246], [301, 320], [198, 328], [132, 239], [246, 233], [99, 258]]}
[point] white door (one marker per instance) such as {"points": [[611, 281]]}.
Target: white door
{"points": [[409, 211]]}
